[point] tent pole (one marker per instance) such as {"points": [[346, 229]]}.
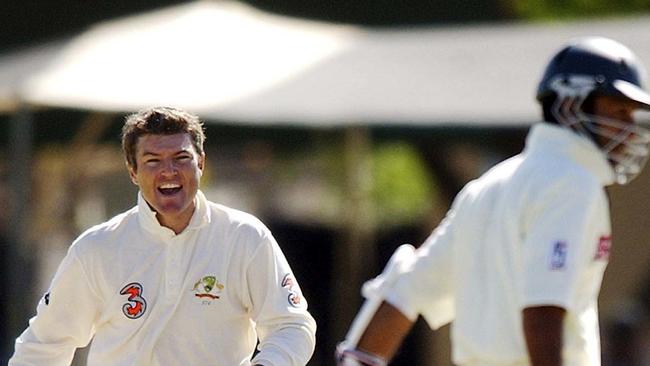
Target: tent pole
{"points": [[19, 251], [355, 254]]}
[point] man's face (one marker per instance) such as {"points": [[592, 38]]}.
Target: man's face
{"points": [[168, 170], [617, 109], [621, 135]]}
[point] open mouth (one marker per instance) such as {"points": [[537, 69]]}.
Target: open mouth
{"points": [[169, 189]]}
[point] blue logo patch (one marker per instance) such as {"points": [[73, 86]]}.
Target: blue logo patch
{"points": [[558, 257]]}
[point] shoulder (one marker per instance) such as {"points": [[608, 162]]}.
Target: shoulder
{"points": [[569, 163], [499, 175], [104, 235], [237, 221], [564, 177], [558, 186], [242, 231], [527, 179]]}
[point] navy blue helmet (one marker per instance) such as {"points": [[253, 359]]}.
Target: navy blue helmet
{"points": [[614, 68], [599, 66]]}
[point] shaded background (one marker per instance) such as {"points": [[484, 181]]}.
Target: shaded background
{"points": [[24, 22], [293, 178]]}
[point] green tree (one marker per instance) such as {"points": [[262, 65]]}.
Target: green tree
{"points": [[568, 9]]}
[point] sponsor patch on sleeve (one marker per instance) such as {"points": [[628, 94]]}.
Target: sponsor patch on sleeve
{"points": [[558, 256], [289, 283], [603, 248]]}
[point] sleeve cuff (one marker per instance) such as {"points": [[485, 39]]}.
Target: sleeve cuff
{"points": [[535, 301]]}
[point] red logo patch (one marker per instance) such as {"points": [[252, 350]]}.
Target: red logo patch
{"points": [[604, 248], [137, 304], [288, 282]]}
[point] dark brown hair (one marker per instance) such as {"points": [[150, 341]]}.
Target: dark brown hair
{"points": [[159, 121]]}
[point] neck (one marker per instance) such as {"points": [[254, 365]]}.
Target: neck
{"points": [[178, 223], [175, 222]]}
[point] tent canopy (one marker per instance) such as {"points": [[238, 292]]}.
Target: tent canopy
{"points": [[228, 61], [17, 66]]}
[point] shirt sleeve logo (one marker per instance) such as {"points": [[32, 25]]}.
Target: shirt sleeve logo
{"points": [[558, 256], [604, 247], [289, 283], [136, 305]]}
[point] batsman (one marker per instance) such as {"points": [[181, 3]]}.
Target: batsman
{"points": [[517, 264]]}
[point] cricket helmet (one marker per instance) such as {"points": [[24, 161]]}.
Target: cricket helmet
{"points": [[598, 66]]}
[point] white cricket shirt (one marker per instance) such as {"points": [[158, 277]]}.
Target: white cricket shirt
{"points": [[533, 230], [147, 296]]}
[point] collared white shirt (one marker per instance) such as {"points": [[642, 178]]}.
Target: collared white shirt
{"points": [[146, 296], [534, 230]]}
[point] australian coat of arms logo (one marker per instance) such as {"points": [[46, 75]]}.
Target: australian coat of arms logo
{"points": [[207, 288]]}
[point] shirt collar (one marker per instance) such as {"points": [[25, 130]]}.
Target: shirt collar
{"points": [[556, 139], [149, 222]]}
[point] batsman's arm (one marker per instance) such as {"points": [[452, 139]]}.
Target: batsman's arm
{"points": [[379, 341], [543, 327], [378, 329], [385, 332], [407, 288]]}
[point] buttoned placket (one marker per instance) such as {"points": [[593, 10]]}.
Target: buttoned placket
{"points": [[173, 271]]}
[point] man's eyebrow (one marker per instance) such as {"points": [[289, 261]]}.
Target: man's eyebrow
{"points": [[182, 151], [144, 153]]}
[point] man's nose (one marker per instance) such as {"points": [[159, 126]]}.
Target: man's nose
{"points": [[169, 167]]}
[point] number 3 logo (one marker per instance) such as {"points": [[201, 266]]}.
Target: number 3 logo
{"points": [[137, 304]]}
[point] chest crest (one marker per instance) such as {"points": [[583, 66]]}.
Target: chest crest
{"points": [[207, 289]]}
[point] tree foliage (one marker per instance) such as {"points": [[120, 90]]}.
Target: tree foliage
{"points": [[564, 9]]}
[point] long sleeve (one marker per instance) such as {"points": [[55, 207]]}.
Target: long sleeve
{"points": [[64, 319], [285, 328]]}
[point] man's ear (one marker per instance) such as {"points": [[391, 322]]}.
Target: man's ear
{"points": [[132, 173], [201, 162]]}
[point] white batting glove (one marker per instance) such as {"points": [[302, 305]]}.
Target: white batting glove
{"points": [[355, 357]]}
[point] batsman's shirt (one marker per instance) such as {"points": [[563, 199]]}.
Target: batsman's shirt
{"points": [[146, 296], [534, 230]]}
